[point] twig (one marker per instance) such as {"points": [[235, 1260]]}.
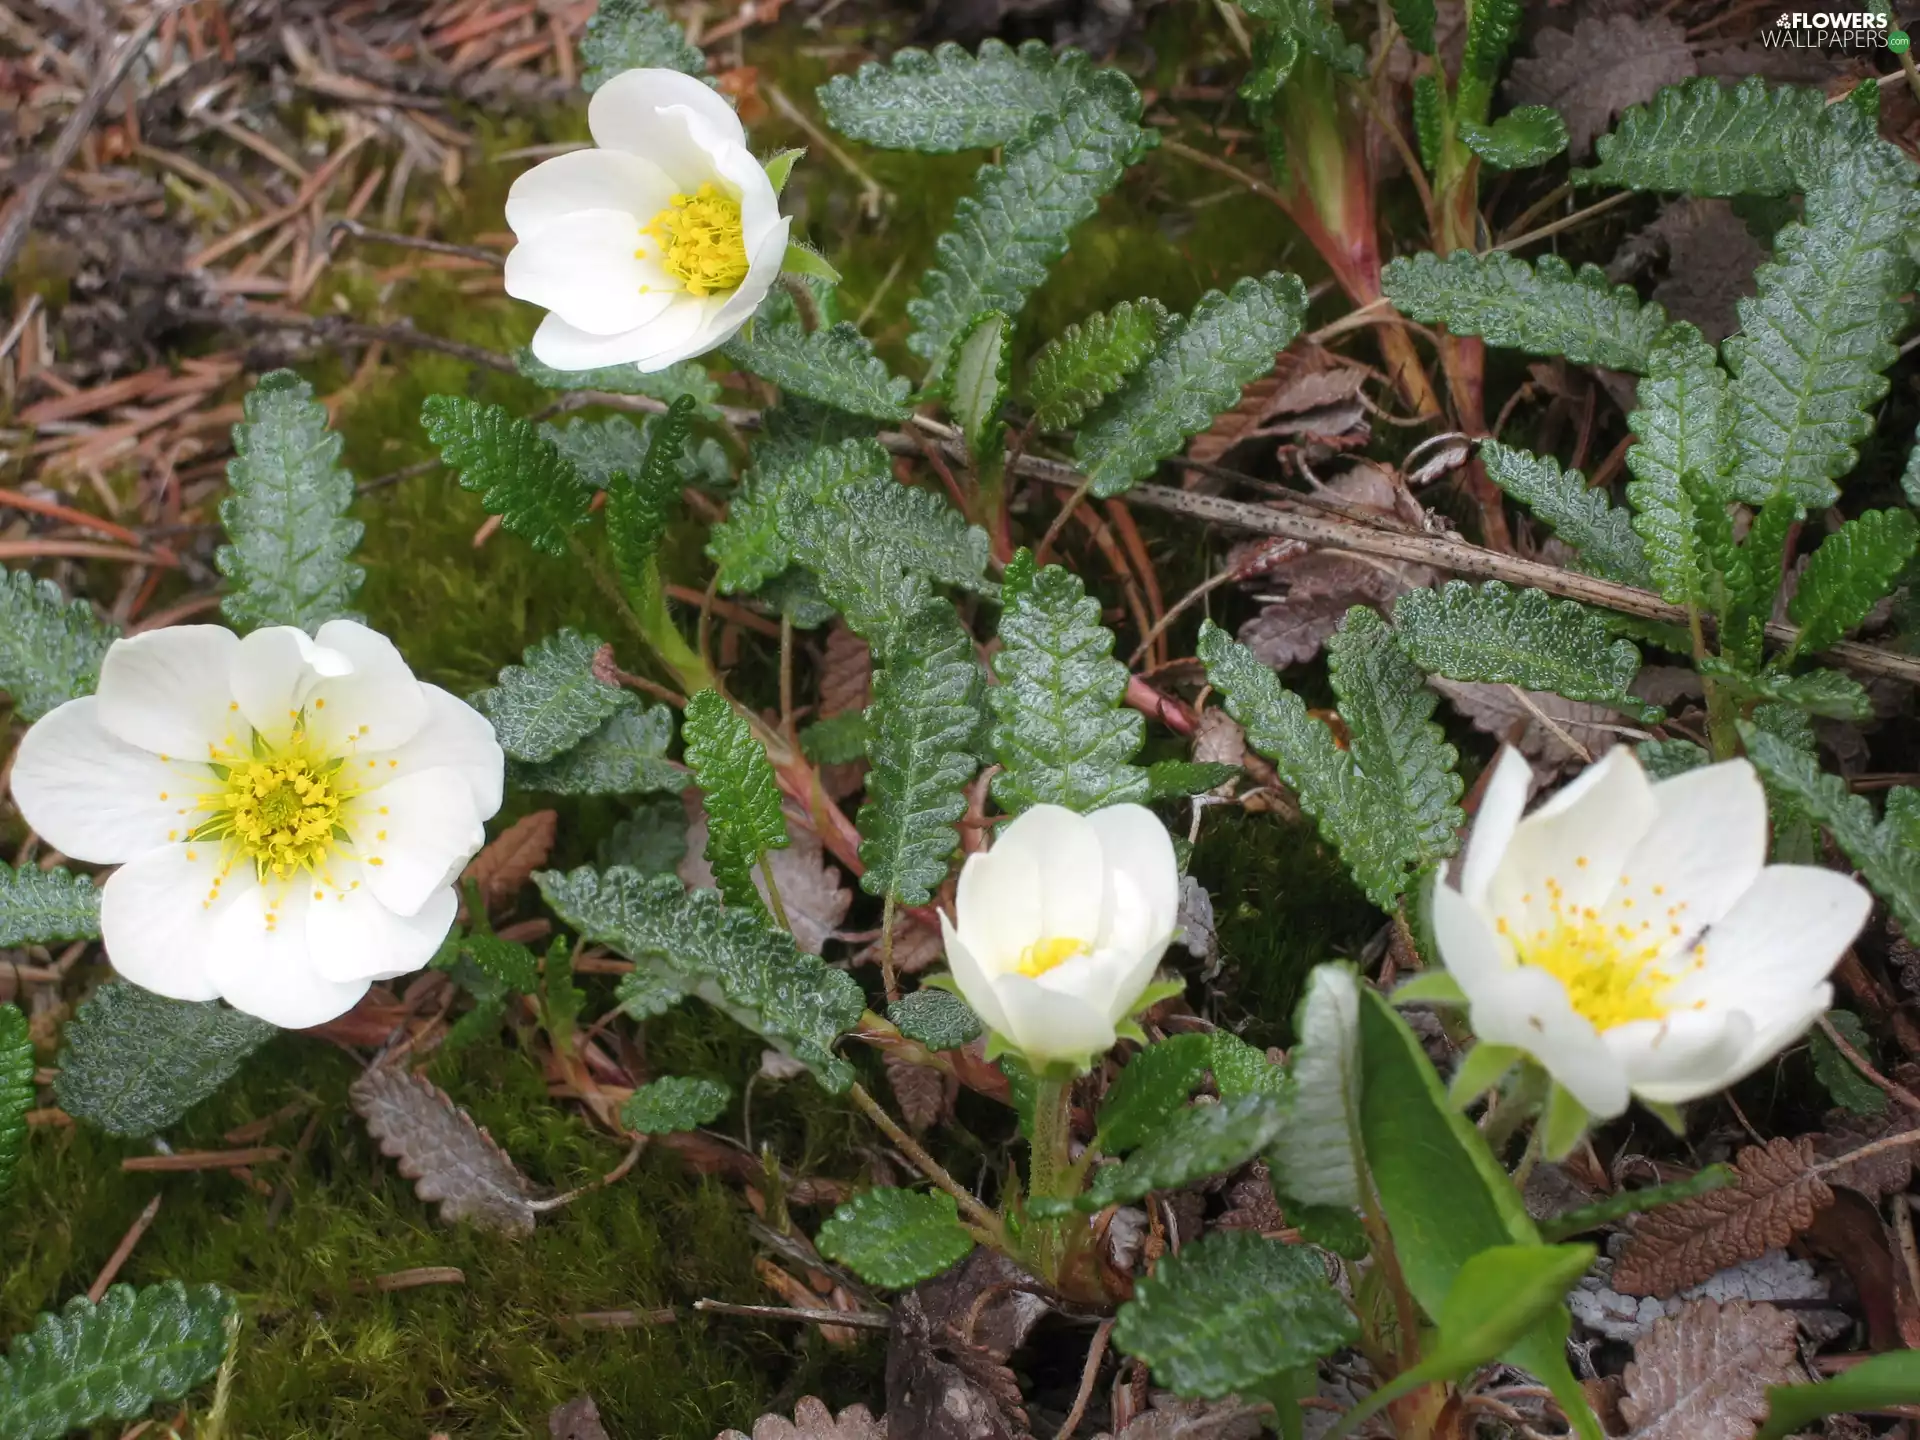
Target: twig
{"points": [[1096, 1352], [930, 1167], [874, 196], [612, 1177], [123, 1250], [1566, 222], [410, 242], [205, 1159], [852, 1319], [19, 220], [1867, 1152], [413, 1279], [332, 330], [623, 1319]]}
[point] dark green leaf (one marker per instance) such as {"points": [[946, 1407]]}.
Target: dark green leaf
{"points": [[554, 701], [1312, 30], [1085, 363], [749, 545], [1155, 1086], [1683, 427], [742, 796], [44, 907], [834, 365], [837, 740], [938, 1019], [949, 100], [1192, 1144], [1850, 1089], [1709, 138], [1636, 1202], [1664, 759], [1826, 693], [289, 538], [675, 1103], [1416, 21], [518, 473], [50, 647], [625, 756], [1579, 513], [133, 1062], [1491, 25], [510, 966], [896, 1238], [16, 1090], [1529, 135], [652, 839], [1176, 779], [1853, 568], [1878, 1382], [634, 35], [641, 499], [1429, 120]]}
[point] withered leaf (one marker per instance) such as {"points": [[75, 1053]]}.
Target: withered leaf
{"points": [[578, 1419], [1878, 1176], [1175, 1419], [451, 1160], [915, 948], [1218, 739], [813, 1421], [810, 889], [1515, 716], [1703, 1374], [1774, 1199], [512, 856], [1299, 397], [921, 1091], [1711, 259], [846, 672], [1599, 68]]}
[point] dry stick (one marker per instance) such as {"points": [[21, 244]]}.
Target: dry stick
{"points": [[1096, 1352], [612, 1177], [410, 242], [1860, 1062], [852, 1319], [930, 1167], [623, 1319], [19, 220], [335, 331], [1866, 1152], [205, 1159], [121, 1251], [413, 1279]]}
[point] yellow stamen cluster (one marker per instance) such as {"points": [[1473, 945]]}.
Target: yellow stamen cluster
{"points": [[1613, 972], [281, 810], [1044, 955], [702, 242]]}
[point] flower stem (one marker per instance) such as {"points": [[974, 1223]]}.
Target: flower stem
{"points": [[969, 1205], [1051, 1171]]}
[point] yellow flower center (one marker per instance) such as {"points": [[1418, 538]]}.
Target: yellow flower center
{"points": [[702, 243], [1613, 972], [281, 809], [1044, 955]]}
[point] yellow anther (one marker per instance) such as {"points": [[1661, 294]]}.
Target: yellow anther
{"points": [[702, 242], [1044, 955]]}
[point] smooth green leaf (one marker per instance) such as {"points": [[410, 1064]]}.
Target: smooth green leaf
{"points": [[896, 1238], [675, 1103], [1853, 568], [1087, 362], [837, 740], [1545, 308], [1194, 1143], [1636, 1202], [1010, 232], [1502, 636], [1177, 779], [1156, 1084], [17, 1090], [641, 499], [1850, 1089], [518, 473], [938, 1019], [625, 756], [1683, 426], [834, 365], [1060, 731], [1528, 135], [1231, 1312], [1481, 1069], [1709, 138], [1317, 1156], [1197, 370], [626, 35], [949, 100], [742, 796], [1491, 26], [133, 1062], [1580, 514], [1876, 1383], [800, 259], [45, 907], [115, 1360], [976, 387], [688, 377], [925, 712], [50, 646], [289, 538], [552, 702]]}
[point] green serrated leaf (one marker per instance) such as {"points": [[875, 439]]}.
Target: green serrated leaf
{"points": [[1527, 135], [1317, 1157], [652, 839], [641, 498], [50, 646], [1085, 363], [625, 756], [1241, 1069], [1546, 308], [1491, 26], [1503, 636], [1060, 731], [1009, 233], [634, 35], [1231, 1313], [1709, 138], [1910, 476], [1196, 371], [133, 1062], [1429, 120], [1745, 586], [1580, 515], [115, 1360], [16, 1090], [689, 377], [938, 1019], [976, 387], [949, 100], [511, 966], [1664, 759], [553, 701], [1155, 1086], [1854, 567], [45, 907], [1416, 19], [1313, 30], [518, 473], [1399, 750], [896, 1238], [675, 1103], [1177, 779], [1190, 1145], [1683, 426], [742, 796], [1816, 337], [837, 740], [1275, 54], [686, 943], [1826, 693], [749, 546], [834, 365], [1636, 1202], [1850, 1089], [925, 713], [289, 538]]}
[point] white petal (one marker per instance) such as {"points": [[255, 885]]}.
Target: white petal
{"points": [[1501, 805], [456, 736], [166, 690], [1705, 849], [976, 988], [1062, 851], [1780, 939], [746, 180], [683, 329], [1050, 1025], [91, 795], [998, 911], [1470, 948], [566, 347], [267, 969], [352, 936], [1786, 1024], [593, 268], [1689, 1054], [415, 835], [585, 180], [1529, 1010], [157, 915], [377, 706], [1135, 844], [764, 264], [647, 113], [1576, 842], [273, 675]]}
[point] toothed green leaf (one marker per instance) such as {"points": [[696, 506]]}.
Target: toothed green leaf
{"points": [[1310, 27], [949, 100], [1854, 567], [1580, 515], [641, 499], [1155, 1086], [976, 387], [1429, 120], [289, 538], [1850, 1089], [1683, 426], [50, 646], [1708, 138], [834, 365], [896, 1238], [837, 740], [742, 796], [626, 35], [1085, 363], [553, 701], [938, 1019], [675, 1103], [1196, 371], [1416, 19], [1491, 26], [1176, 779], [1818, 692], [16, 1090], [749, 546], [518, 473], [45, 907], [625, 756], [1529, 135], [1190, 1145]]}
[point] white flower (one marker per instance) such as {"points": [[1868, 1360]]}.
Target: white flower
{"points": [[289, 815], [1060, 926], [658, 245], [1631, 937]]}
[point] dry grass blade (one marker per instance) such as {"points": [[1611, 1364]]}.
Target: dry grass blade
{"points": [[451, 1160], [1774, 1199], [512, 856], [813, 1421], [1703, 1374]]}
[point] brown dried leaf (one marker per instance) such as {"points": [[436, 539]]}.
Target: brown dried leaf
{"points": [[1703, 1374], [1877, 1176], [512, 856], [578, 1419], [846, 672], [915, 948], [1218, 739], [1599, 68], [810, 888], [813, 1421], [940, 1391], [1774, 1199], [1300, 397], [1320, 589], [921, 1091], [1175, 1419], [451, 1161], [1711, 257], [1499, 711]]}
